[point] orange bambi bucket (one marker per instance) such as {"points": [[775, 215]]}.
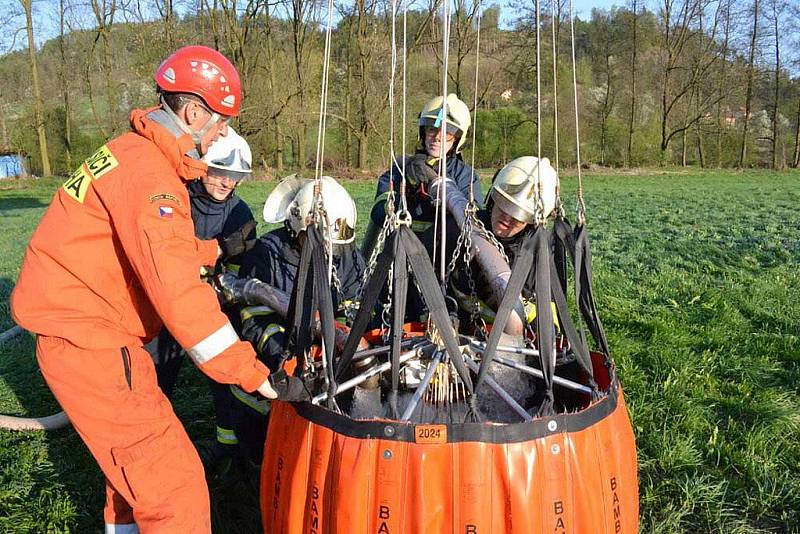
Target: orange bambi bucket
{"points": [[573, 472]]}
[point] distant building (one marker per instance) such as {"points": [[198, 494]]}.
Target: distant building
{"points": [[731, 117]]}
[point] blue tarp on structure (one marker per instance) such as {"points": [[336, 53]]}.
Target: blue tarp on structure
{"points": [[10, 165]]}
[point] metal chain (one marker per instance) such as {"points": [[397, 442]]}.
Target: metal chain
{"points": [[475, 307], [471, 222], [349, 311], [465, 231], [386, 313], [489, 236], [385, 229]]}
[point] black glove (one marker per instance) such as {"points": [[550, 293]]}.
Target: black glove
{"points": [[289, 388], [229, 288], [420, 169], [239, 241]]}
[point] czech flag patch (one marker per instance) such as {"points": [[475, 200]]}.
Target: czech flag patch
{"points": [[165, 211]]}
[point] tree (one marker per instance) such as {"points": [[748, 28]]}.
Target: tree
{"points": [[688, 58], [299, 12], [604, 41], [632, 110], [38, 104], [724, 80], [749, 91], [167, 12], [366, 43], [464, 38], [776, 8], [63, 76]]}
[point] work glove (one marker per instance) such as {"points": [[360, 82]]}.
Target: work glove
{"points": [[238, 242], [452, 191], [282, 386], [421, 169], [250, 292]]}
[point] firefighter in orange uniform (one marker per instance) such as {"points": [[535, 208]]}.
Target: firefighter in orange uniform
{"points": [[114, 256]]}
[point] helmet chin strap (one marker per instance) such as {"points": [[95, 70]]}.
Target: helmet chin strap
{"points": [[197, 136]]}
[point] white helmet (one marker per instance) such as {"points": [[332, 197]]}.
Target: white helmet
{"points": [[515, 189], [229, 156], [293, 200], [458, 118]]}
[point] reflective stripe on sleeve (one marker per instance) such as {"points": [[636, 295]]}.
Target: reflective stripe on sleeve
{"points": [[269, 331], [261, 406], [226, 436], [125, 528], [254, 311], [214, 344]]}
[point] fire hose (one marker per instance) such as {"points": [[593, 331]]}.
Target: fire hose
{"points": [[10, 422]]}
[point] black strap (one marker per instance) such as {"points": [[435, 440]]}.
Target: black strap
{"points": [[301, 305], [324, 302], [536, 254], [545, 330], [523, 263], [584, 290], [400, 290], [434, 299], [560, 252], [576, 243], [577, 342], [563, 233], [368, 300]]}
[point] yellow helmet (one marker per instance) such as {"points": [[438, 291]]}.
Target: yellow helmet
{"points": [[458, 118], [515, 189]]}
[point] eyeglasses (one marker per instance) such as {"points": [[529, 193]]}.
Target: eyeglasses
{"points": [[226, 176], [432, 131], [222, 118]]}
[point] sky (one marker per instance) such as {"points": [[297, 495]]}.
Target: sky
{"points": [[46, 25], [584, 7]]}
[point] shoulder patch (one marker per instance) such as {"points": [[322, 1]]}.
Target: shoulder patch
{"points": [[77, 184], [101, 162], [98, 164], [165, 197]]}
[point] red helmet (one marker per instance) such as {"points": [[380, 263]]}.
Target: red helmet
{"points": [[204, 72]]}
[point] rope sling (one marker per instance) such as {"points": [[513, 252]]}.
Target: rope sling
{"points": [[436, 454], [399, 258]]}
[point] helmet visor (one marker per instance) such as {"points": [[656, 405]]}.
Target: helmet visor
{"points": [[432, 123], [236, 176]]}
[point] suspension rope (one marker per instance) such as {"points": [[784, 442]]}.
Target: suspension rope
{"points": [[318, 210], [441, 212], [581, 208], [559, 207], [392, 158], [403, 211], [539, 203], [403, 119], [555, 80], [323, 101], [475, 102]]}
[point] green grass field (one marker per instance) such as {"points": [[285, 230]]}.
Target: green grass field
{"points": [[697, 279]]}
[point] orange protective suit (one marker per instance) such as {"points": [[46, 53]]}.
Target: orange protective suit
{"points": [[113, 256]]}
